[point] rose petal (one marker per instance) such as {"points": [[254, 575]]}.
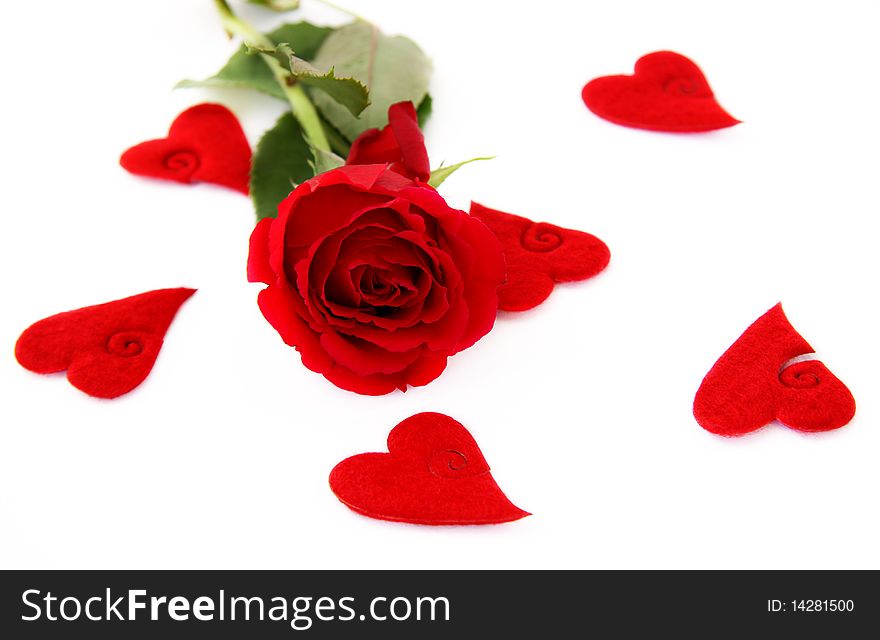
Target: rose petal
{"points": [[481, 275], [325, 211], [403, 121], [363, 358], [375, 385], [427, 368], [279, 308], [258, 267], [374, 146]]}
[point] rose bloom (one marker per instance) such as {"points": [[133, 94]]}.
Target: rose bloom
{"points": [[373, 277]]}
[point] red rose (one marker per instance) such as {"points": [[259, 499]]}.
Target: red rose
{"points": [[375, 279]]}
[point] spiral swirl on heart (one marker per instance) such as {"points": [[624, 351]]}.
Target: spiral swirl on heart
{"points": [[125, 344], [541, 237], [181, 161], [448, 463], [801, 375]]}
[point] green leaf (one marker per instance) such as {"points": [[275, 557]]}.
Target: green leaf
{"points": [[349, 92], [305, 37], [325, 161], [394, 69], [241, 72], [244, 71], [282, 160], [440, 174], [423, 111], [277, 5]]}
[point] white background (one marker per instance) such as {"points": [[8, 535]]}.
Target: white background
{"points": [[582, 407]]}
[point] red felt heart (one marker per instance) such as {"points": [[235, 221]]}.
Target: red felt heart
{"points": [[538, 255], [433, 473], [667, 92], [205, 144], [107, 349], [754, 383]]}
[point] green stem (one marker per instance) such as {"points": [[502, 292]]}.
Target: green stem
{"points": [[303, 109], [308, 117]]}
